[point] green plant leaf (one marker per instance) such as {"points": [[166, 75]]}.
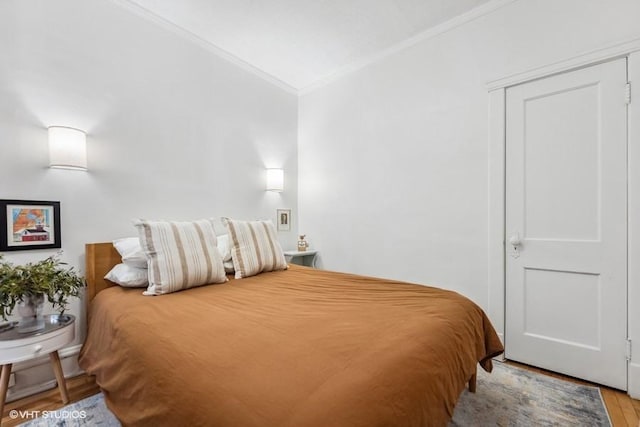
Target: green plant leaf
{"points": [[49, 277]]}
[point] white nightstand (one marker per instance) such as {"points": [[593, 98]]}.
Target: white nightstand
{"points": [[17, 347], [306, 258]]}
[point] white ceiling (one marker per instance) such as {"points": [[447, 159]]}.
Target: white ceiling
{"points": [[301, 42]]}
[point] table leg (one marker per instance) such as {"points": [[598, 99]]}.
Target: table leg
{"points": [[4, 386], [57, 369]]}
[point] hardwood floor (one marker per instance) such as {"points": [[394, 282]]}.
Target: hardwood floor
{"points": [[624, 411], [79, 387]]}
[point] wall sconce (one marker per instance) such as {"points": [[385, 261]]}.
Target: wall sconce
{"points": [[275, 180], [67, 148]]}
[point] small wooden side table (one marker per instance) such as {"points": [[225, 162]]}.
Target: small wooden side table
{"points": [[58, 331], [306, 258]]}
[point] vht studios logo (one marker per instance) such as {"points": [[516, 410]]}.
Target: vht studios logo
{"points": [[47, 414]]}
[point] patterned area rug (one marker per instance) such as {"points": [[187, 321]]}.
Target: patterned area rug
{"points": [[509, 396], [91, 411]]}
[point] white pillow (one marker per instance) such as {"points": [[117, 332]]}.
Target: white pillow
{"points": [[128, 277], [131, 252], [224, 246]]}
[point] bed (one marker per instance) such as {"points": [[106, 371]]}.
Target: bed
{"points": [[300, 347]]}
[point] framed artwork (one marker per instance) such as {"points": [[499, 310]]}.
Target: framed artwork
{"points": [[284, 219], [29, 224]]}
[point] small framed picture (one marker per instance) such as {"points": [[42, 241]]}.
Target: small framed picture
{"points": [[29, 224], [284, 219]]}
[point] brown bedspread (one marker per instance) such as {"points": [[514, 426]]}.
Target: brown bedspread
{"points": [[300, 347]]}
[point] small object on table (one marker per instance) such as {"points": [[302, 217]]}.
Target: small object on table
{"points": [[303, 245], [306, 257], [17, 346]]}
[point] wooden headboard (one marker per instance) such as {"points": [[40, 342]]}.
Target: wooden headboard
{"points": [[100, 258]]}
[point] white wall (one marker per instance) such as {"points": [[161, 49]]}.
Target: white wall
{"points": [[174, 132], [393, 158]]}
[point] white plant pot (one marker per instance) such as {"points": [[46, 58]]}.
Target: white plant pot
{"points": [[30, 311]]}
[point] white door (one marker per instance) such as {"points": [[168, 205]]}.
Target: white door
{"points": [[566, 223]]}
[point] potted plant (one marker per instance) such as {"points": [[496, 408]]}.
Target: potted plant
{"points": [[27, 286]]}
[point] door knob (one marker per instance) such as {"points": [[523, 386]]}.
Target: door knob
{"points": [[515, 240]]}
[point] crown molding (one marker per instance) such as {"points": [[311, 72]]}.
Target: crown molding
{"points": [[444, 27], [182, 32]]}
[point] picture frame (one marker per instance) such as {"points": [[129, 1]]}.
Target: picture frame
{"points": [[29, 224], [283, 219]]}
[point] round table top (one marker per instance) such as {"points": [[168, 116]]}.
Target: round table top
{"points": [[52, 322]]}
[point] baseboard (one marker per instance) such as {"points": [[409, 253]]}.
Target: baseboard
{"points": [[30, 390], [633, 387], [35, 375]]}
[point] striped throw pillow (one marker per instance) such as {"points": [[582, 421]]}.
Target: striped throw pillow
{"points": [[181, 255], [255, 248]]}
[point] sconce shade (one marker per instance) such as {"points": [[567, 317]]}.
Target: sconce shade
{"points": [[275, 180], [67, 148]]}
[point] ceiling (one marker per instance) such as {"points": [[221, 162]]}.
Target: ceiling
{"points": [[302, 42]]}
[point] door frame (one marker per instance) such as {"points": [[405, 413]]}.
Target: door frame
{"points": [[496, 309]]}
